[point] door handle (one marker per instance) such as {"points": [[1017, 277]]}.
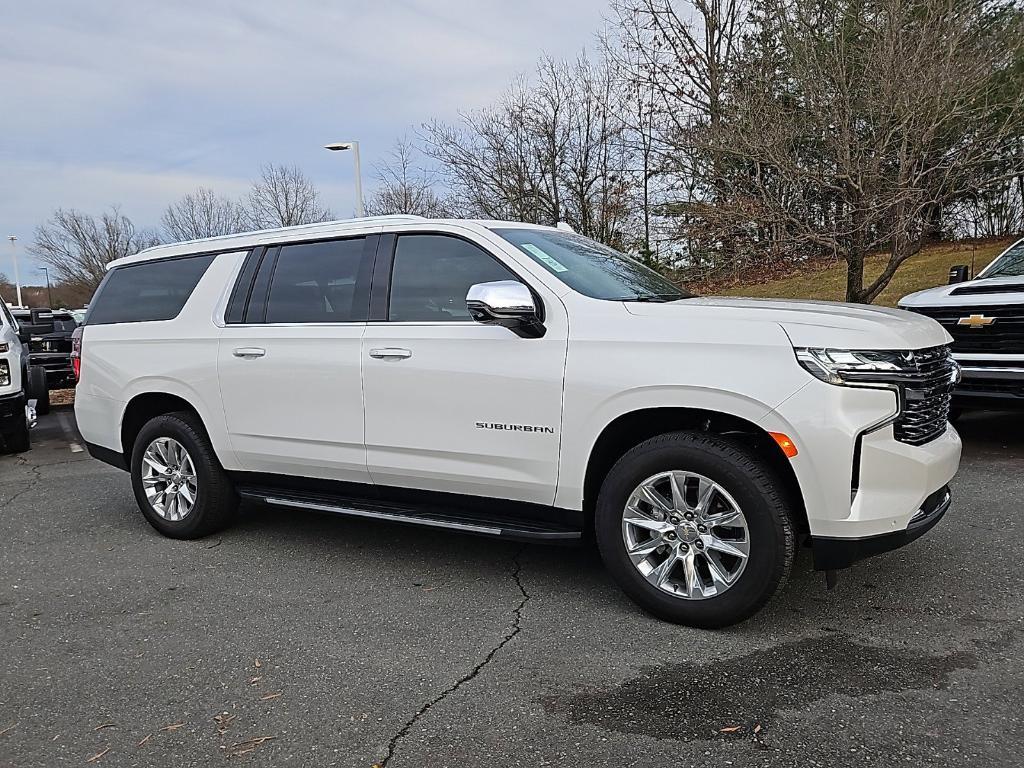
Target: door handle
{"points": [[249, 353], [396, 353]]}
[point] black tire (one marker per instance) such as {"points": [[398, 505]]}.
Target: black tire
{"points": [[37, 388], [18, 440], [755, 488], [216, 502]]}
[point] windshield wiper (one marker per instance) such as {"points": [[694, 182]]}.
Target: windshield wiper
{"points": [[651, 298]]}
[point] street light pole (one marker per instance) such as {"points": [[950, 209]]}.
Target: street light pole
{"points": [[341, 146], [14, 257], [49, 293]]}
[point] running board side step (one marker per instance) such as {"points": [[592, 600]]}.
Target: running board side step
{"points": [[514, 528]]}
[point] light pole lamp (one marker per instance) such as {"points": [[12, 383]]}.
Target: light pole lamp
{"points": [[14, 257], [341, 146]]}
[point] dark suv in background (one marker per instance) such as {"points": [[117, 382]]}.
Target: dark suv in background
{"points": [[50, 345]]}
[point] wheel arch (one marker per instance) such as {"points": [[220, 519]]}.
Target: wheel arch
{"points": [[634, 427]]}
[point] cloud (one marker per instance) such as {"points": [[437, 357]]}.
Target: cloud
{"points": [[137, 102]]}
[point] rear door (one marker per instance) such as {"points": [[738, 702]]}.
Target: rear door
{"points": [[289, 359]]}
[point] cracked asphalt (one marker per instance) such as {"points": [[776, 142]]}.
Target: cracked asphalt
{"points": [[297, 639]]}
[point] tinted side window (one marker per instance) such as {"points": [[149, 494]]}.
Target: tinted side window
{"points": [[155, 290], [316, 283], [432, 274]]}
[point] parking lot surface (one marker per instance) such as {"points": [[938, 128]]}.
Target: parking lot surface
{"points": [[296, 639]]}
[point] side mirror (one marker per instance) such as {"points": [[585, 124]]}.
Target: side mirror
{"points": [[959, 274], [24, 334], [507, 303]]}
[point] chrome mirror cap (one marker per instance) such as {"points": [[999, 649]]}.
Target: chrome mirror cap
{"points": [[507, 303]]}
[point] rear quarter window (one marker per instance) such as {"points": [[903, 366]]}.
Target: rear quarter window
{"points": [[148, 291]]}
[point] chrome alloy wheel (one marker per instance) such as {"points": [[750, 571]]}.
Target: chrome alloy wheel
{"points": [[686, 535], [169, 478]]}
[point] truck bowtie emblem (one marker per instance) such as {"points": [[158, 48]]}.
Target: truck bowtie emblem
{"points": [[976, 321]]}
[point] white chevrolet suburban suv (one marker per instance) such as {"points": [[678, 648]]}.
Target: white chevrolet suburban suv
{"points": [[524, 382]]}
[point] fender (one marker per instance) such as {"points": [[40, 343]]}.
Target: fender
{"points": [[576, 452], [212, 414]]}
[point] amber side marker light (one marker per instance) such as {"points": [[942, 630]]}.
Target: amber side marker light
{"points": [[788, 446]]}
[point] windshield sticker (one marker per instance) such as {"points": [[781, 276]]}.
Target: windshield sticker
{"points": [[542, 257]]}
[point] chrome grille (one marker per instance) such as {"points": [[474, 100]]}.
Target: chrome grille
{"points": [[1004, 335], [926, 390]]}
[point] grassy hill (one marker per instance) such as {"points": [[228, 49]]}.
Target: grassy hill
{"points": [[925, 270]]}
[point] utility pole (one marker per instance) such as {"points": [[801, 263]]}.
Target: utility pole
{"points": [[49, 293], [14, 257]]}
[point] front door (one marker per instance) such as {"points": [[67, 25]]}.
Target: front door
{"points": [[452, 405], [290, 367]]}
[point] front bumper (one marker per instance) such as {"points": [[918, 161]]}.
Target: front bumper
{"points": [[990, 384], [835, 553], [860, 485]]}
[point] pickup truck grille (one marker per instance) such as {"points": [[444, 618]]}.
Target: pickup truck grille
{"points": [[1004, 336], [926, 388]]}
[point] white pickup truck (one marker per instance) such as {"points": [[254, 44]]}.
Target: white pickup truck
{"points": [[518, 381], [18, 382], [985, 317]]}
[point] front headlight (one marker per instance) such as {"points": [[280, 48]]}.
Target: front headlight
{"points": [[847, 367], [5, 374]]}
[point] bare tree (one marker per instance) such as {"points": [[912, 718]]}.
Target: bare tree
{"points": [[284, 196], [77, 247], [853, 125], [545, 152], [406, 188], [201, 214], [7, 290]]}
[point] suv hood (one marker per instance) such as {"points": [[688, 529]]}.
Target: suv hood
{"points": [[988, 291], [812, 323]]}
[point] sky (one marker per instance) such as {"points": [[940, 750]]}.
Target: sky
{"points": [[135, 103]]}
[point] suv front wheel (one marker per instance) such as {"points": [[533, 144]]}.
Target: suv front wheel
{"points": [[178, 482], [695, 529]]}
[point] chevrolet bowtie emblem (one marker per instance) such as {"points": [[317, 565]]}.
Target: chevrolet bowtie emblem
{"points": [[976, 321]]}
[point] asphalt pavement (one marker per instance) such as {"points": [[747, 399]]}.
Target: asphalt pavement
{"points": [[306, 640]]}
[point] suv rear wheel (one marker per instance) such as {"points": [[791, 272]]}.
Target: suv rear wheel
{"points": [[695, 529], [179, 485]]}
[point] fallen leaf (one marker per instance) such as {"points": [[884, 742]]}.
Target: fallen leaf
{"points": [[757, 728], [150, 736], [730, 729], [258, 665], [173, 727], [245, 747], [223, 721], [103, 725], [255, 679], [98, 755], [8, 728], [270, 696]]}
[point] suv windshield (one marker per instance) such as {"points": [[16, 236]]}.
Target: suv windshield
{"points": [[593, 269], [1009, 264]]}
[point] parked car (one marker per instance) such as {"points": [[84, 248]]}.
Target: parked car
{"points": [[522, 382], [985, 317], [50, 344], [18, 383]]}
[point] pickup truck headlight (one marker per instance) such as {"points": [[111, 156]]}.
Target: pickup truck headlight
{"points": [[5, 373], [845, 367]]}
